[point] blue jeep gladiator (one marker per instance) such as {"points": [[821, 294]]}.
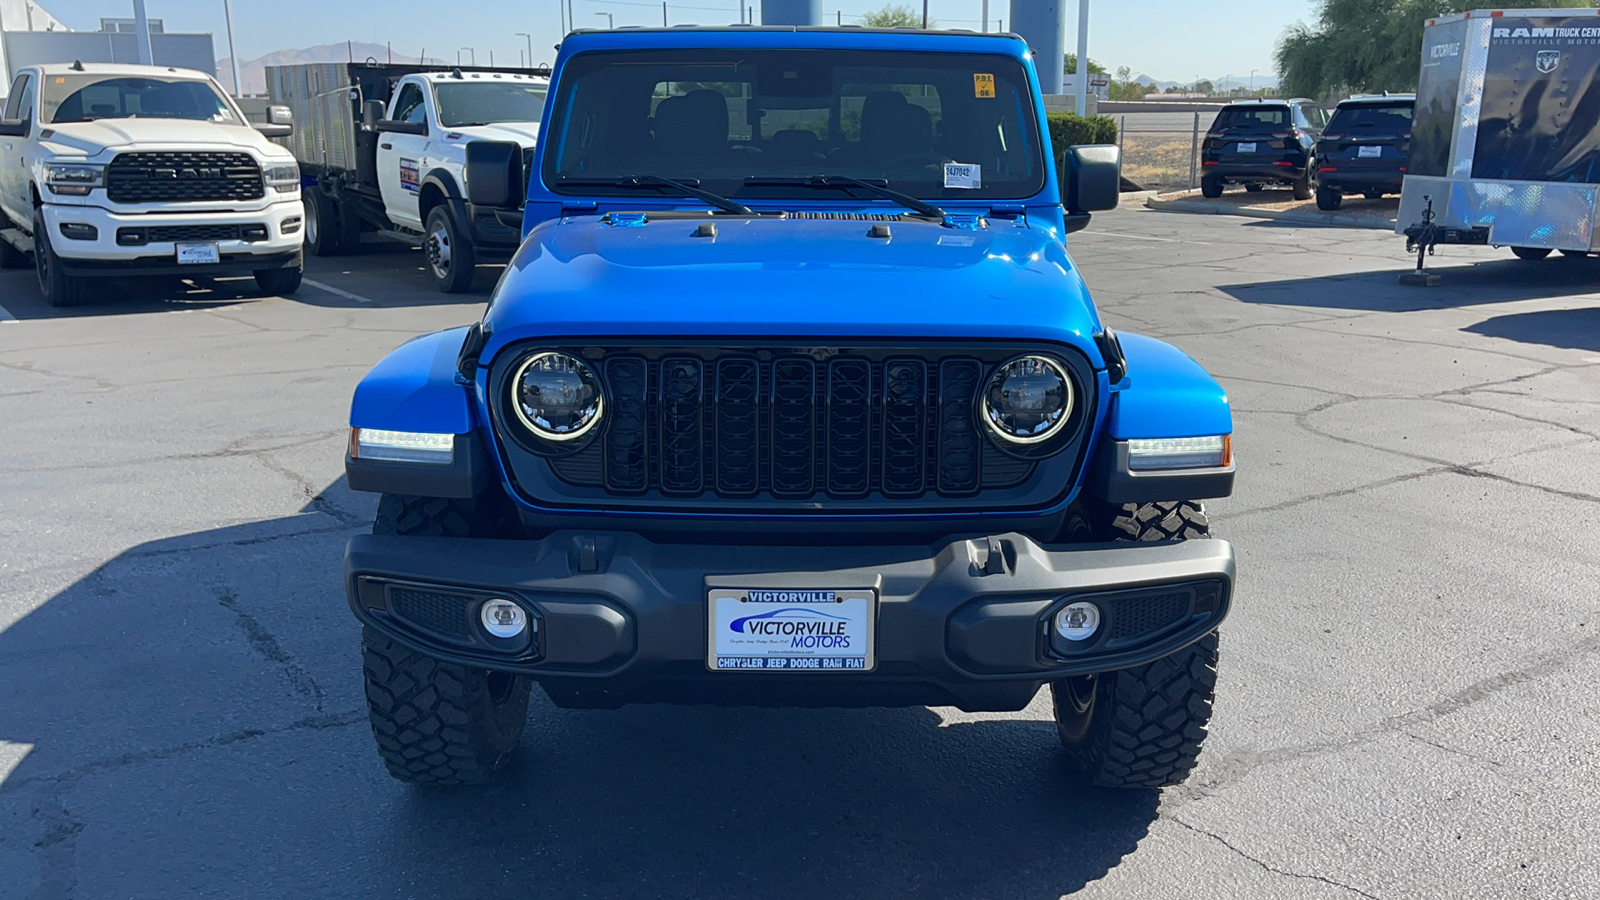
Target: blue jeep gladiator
{"points": [[791, 396]]}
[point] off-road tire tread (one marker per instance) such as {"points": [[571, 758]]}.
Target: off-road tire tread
{"points": [[399, 514], [1151, 722], [437, 722], [1167, 520]]}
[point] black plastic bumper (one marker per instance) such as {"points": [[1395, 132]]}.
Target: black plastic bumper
{"points": [[231, 264], [1248, 172], [620, 619], [1356, 181]]}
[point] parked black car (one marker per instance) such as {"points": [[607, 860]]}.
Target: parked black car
{"points": [[1364, 149], [1261, 142]]}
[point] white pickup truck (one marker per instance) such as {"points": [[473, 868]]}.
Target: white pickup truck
{"points": [[116, 170], [384, 150]]}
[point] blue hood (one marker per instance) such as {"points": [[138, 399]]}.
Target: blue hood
{"points": [[778, 278]]}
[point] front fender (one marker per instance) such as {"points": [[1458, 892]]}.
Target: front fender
{"points": [[414, 389], [1164, 395]]}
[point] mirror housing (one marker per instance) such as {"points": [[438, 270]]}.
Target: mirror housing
{"points": [[280, 122], [495, 177], [14, 127], [390, 126], [1091, 181], [371, 112]]}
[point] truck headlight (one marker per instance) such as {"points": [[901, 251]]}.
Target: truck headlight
{"points": [[282, 177], [1028, 400], [73, 179], [1211, 452], [402, 446], [557, 396]]}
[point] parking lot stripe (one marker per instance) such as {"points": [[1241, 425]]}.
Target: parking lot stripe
{"points": [[333, 290], [1141, 237]]}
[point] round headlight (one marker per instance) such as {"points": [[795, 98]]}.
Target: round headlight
{"points": [[557, 396], [1028, 400]]}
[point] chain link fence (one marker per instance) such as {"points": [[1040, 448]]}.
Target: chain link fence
{"points": [[1161, 150]]}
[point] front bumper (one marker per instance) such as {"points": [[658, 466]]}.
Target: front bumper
{"points": [[620, 619], [284, 223]]}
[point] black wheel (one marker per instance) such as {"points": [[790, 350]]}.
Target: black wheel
{"points": [[448, 252], [437, 722], [59, 288], [1302, 188], [1254, 188], [1141, 727], [10, 257], [1211, 187], [1328, 199], [1531, 253], [323, 228], [281, 281]]}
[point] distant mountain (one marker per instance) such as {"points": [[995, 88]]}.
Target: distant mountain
{"points": [[253, 72], [1221, 84]]}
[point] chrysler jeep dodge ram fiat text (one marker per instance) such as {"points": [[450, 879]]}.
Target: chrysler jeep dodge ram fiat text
{"points": [[791, 396]]}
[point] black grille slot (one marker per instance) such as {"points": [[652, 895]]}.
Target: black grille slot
{"points": [[164, 233], [626, 447], [682, 426], [960, 446], [152, 177], [849, 427], [794, 427], [738, 437], [1142, 616], [445, 615], [905, 427]]}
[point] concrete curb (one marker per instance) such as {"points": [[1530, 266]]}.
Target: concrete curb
{"points": [[1283, 215]]}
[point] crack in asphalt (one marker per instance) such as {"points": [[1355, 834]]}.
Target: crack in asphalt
{"points": [[227, 451], [267, 646], [314, 498], [1266, 865]]}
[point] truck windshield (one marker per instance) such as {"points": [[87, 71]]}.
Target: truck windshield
{"points": [[488, 102], [84, 98], [762, 124]]}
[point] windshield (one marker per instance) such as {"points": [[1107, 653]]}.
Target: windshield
{"points": [[488, 102], [83, 98], [1395, 118], [1252, 118], [735, 121]]}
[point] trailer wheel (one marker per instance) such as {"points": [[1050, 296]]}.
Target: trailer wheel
{"points": [[1531, 253], [448, 252], [323, 228]]}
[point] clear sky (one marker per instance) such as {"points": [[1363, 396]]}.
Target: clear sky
{"points": [[1165, 39]]}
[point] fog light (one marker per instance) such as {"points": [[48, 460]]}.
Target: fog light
{"points": [[502, 618], [79, 231], [1078, 621]]}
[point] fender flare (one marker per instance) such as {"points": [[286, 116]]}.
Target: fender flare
{"points": [[453, 197]]}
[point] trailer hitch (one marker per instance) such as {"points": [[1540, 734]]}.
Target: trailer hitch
{"points": [[1422, 239]]}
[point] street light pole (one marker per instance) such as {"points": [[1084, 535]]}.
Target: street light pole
{"points": [[611, 22], [141, 34], [233, 55], [1081, 81], [924, 13], [473, 52], [524, 34], [1253, 80], [985, 16]]}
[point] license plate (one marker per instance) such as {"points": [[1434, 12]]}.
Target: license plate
{"points": [[1369, 152], [1247, 148], [791, 630], [198, 254]]}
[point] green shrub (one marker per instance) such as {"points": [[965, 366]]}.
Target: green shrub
{"points": [[1067, 129]]}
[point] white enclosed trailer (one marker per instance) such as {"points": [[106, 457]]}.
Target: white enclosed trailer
{"points": [[1505, 146]]}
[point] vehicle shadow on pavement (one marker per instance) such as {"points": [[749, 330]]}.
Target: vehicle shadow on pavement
{"points": [[1574, 329], [186, 719], [1471, 284]]}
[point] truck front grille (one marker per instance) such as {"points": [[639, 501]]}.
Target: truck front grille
{"points": [[165, 177], [779, 426]]}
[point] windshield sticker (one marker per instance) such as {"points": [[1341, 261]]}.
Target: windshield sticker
{"points": [[983, 86], [963, 175], [410, 178]]}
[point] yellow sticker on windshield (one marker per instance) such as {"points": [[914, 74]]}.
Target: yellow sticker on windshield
{"points": [[983, 86]]}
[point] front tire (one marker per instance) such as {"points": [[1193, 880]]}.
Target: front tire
{"points": [[1141, 727], [448, 252], [280, 282], [59, 288]]}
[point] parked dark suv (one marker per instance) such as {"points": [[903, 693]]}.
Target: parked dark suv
{"points": [[1364, 149], [1261, 142]]}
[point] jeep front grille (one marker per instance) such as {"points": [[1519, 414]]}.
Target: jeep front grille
{"points": [[163, 177], [747, 425]]}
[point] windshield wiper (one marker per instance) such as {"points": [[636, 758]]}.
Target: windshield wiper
{"points": [[689, 188], [878, 186]]}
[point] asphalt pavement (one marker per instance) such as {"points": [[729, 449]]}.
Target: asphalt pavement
{"points": [[1406, 710]]}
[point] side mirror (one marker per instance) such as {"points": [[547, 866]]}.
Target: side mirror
{"points": [[1091, 181], [14, 127], [280, 122], [494, 175], [371, 112], [390, 126]]}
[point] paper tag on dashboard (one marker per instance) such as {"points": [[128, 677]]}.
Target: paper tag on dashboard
{"points": [[963, 175]]}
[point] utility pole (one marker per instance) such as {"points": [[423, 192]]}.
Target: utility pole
{"points": [[985, 16], [233, 55], [924, 13], [141, 34], [663, 13], [1081, 81], [524, 34]]}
